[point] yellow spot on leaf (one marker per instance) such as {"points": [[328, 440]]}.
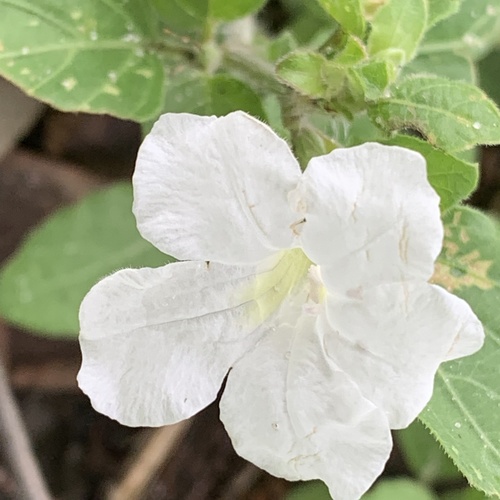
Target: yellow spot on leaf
{"points": [[2, 48], [466, 271], [145, 72], [69, 83], [451, 248], [111, 89], [458, 268]]}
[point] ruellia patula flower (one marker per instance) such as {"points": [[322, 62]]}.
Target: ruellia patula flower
{"points": [[309, 291]]}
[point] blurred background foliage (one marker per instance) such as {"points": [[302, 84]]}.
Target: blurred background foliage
{"points": [[321, 75]]}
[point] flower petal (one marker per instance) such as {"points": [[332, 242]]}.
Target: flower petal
{"points": [[392, 339], [291, 411], [215, 189], [157, 343], [371, 216]]}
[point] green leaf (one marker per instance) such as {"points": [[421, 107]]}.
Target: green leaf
{"points": [[464, 494], [183, 15], [357, 131], [352, 53], [92, 55], [400, 25], [464, 411], [441, 9], [308, 142], [471, 32], [189, 15], [424, 456], [489, 69], [453, 179], [229, 10], [348, 13], [399, 489], [313, 490], [375, 77], [452, 115], [281, 46], [196, 92], [345, 88], [42, 287], [444, 64], [307, 20]]}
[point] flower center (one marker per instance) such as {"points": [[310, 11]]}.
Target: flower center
{"points": [[294, 277]]}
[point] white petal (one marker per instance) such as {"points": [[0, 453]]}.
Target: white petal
{"points": [[289, 410], [371, 216], [215, 189], [157, 343], [392, 339]]}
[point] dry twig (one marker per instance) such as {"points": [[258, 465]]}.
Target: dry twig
{"points": [[16, 446], [148, 461]]}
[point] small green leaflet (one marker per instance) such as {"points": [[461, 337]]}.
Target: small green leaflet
{"points": [[398, 27], [304, 71], [348, 13], [88, 55], [464, 412], [42, 286], [452, 115], [453, 179]]}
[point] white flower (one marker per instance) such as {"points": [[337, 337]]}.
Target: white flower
{"points": [[310, 289]]}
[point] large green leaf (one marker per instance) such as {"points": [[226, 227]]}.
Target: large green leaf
{"points": [[452, 115], [464, 412], [472, 31], [193, 91], [87, 55], [452, 178], [348, 13], [398, 27], [42, 287]]}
